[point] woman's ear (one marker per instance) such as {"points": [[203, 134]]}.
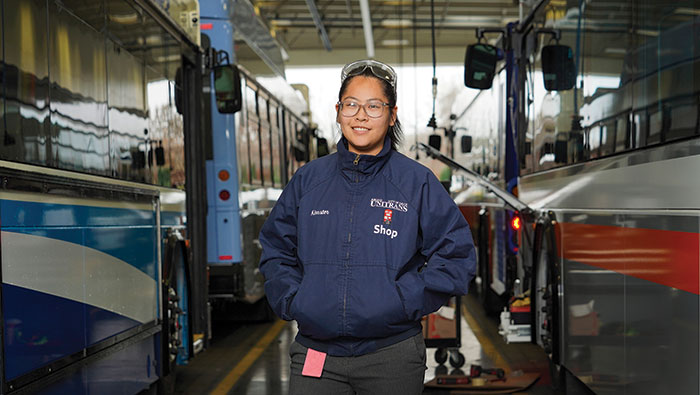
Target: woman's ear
{"points": [[337, 113], [392, 121]]}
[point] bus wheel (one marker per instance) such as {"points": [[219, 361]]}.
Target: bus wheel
{"points": [[545, 290], [176, 319]]}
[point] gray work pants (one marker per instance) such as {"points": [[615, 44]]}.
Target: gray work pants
{"points": [[396, 369]]}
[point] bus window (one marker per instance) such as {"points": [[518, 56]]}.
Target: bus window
{"points": [[622, 135], [640, 129], [254, 139], [25, 72], [656, 125], [275, 146], [593, 143], [607, 137], [242, 143], [79, 133], [265, 143], [683, 120]]}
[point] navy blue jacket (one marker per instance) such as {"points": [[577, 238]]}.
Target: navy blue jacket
{"points": [[358, 248]]}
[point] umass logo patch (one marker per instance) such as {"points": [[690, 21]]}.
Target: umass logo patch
{"points": [[387, 217]]}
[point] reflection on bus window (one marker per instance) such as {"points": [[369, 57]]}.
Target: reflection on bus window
{"points": [[637, 88]]}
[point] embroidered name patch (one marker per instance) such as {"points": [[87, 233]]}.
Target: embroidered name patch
{"points": [[320, 212]]}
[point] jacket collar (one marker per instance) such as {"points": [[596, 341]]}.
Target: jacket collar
{"points": [[368, 164]]}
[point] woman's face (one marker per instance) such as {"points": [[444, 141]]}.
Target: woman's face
{"points": [[365, 135]]}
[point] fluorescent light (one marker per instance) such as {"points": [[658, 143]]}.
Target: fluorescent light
{"points": [[397, 23], [125, 19], [395, 43], [615, 51], [647, 32], [687, 11]]}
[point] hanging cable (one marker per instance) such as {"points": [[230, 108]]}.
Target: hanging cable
{"points": [[432, 122], [415, 76]]}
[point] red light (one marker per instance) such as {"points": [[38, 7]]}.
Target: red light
{"points": [[206, 26], [225, 257], [515, 223], [223, 175], [224, 195]]}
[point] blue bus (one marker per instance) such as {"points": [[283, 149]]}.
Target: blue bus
{"points": [[254, 148], [100, 222]]}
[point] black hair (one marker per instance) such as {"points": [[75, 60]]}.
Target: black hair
{"points": [[395, 133]]}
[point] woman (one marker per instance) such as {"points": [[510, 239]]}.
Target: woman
{"points": [[362, 244]]}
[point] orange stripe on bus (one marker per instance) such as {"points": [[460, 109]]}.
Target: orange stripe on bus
{"points": [[662, 256]]}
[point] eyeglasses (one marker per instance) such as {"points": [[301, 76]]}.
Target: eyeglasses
{"points": [[373, 108], [380, 70]]}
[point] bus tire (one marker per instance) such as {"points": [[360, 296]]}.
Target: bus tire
{"points": [[177, 321], [546, 279]]}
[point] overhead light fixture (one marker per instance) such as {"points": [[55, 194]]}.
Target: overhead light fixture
{"points": [[367, 27], [647, 32], [281, 22], [687, 11], [398, 23], [615, 51], [395, 43], [125, 19]]}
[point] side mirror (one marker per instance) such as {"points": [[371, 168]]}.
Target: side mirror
{"points": [[558, 69], [322, 147], [466, 144], [178, 91], [227, 85], [435, 141], [480, 65]]}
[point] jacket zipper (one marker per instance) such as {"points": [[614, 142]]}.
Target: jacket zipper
{"points": [[347, 262], [356, 162]]}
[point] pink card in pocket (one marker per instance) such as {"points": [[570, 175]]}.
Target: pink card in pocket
{"points": [[313, 364]]}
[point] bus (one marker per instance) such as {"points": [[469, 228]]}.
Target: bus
{"points": [[609, 242], [100, 230], [483, 120], [252, 152]]}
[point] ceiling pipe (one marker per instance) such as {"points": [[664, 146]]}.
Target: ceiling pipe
{"points": [[367, 27], [319, 24]]}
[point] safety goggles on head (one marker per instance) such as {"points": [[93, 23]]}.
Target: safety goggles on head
{"points": [[380, 70]]}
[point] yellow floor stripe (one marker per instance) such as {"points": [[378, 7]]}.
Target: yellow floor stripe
{"points": [[232, 377], [486, 343]]}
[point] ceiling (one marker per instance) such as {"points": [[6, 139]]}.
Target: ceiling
{"points": [[397, 27]]}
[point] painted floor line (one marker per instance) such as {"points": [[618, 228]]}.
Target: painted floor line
{"points": [[247, 361], [486, 344]]}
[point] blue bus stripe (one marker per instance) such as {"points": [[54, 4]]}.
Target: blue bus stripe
{"points": [[36, 335]]}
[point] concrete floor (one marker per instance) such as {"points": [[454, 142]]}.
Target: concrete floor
{"points": [[237, 364]]}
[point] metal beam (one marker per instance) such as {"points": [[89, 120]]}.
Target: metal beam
{"points": [[319, 24], [367, 27]]}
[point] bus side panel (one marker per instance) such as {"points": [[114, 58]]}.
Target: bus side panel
{"points": [[630, 277], [632, 301], [127, 371], [74, 274]]}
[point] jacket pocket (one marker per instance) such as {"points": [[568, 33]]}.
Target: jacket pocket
{"points": [[412, 291], [316, 306], [373, 306]]}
